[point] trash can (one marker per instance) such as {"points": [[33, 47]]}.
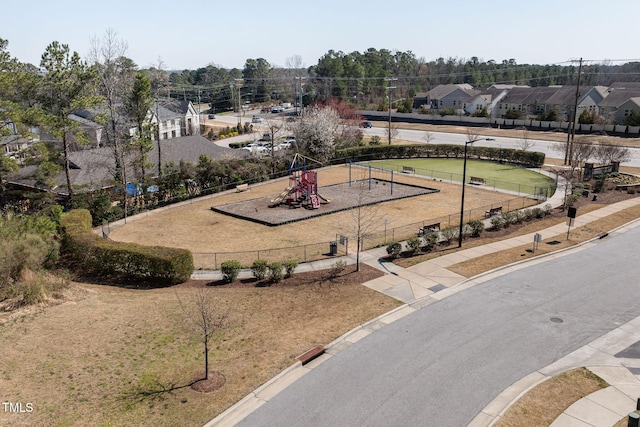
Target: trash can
{"points": [[585, 193], [333, 248]]}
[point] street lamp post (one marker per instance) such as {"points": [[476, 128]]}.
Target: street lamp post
{"points": [[464, 178]]}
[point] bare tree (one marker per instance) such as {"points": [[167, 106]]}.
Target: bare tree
{"points": [[606, 153], [392, 131], [428, 137], [525, 142], [206, 317], [115, 78], [364, 216]]}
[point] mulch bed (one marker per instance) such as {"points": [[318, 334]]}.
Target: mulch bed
{"points": [[320, 277]]}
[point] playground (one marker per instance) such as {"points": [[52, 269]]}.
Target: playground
{"points": [[303, 198], [193, 225]]}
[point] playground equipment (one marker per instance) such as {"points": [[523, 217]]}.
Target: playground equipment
{"points": [[303, 187]]}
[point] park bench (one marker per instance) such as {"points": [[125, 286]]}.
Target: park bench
{"points": [[477, 180], [242, 187], [431, 228], [311, 354], [493, 212], [409, 169]]}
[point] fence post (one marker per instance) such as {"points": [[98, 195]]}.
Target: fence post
{"points": [[215, 260], [305, 253]]}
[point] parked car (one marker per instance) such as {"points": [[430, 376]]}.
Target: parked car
{"points": [[255, 119], [211, 116], [367, 124], [286, 145], [277, 109]]}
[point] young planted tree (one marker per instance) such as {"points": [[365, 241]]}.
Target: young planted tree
{"points": [[606, 153], [364, 217], [525, 142], [66, 87], [206, 317]]}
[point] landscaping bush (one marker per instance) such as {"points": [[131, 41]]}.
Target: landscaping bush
{"points": [[413, 245], [276, 271], [497, 223], [519, 217], [230, 270], [430, 241], [129, 261], [394, 249], [538, 213], [548, 209], [337, 268], [476, 227], [289, 267], [449, 234], [508, 219], [571, 200], [259, 268]]}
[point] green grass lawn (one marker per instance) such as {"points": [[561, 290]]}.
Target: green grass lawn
{"points": [[497, 175]]}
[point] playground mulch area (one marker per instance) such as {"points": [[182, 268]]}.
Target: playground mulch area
{"points": [[335, 198]]}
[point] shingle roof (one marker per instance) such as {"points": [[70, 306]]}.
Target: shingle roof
{"points": [[93, 169]]}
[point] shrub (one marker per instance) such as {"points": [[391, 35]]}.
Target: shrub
{"points": [[375, 140], [519, 217], [497, 223], [476, 227], [259, 268], [571, 200], [449, 234], [508, 218], [289, 267], [276, 271], [394, 249], [548, 209], [122, 260], [430, 241], [413, 244], [337, 268], [537, 213], [230, 270]]}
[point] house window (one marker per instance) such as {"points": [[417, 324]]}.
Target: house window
{"points": [[441, 102], [165, 135], [173, 123], [173, 134], [454, 102]]}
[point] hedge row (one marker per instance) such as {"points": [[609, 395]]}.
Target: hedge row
{"points": [[381, 152], [165, 266]]}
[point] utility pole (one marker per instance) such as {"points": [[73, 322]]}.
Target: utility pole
{"points": [[389, 88], [568, 154]]}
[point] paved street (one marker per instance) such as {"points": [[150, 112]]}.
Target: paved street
{"points": [[441, 365]]}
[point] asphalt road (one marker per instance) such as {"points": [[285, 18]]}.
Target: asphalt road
{"points": [[443, 364], [546, 147]]}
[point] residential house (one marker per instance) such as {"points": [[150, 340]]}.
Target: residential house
{"points": [[176, 118], [620, 100], [488, 99], [450, 96], [94, 169]]}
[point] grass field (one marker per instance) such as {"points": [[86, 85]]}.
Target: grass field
{"points": [[497, 175]]}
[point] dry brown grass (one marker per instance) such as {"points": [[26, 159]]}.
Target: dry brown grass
{"points": [[195, 227], [91, 360], [543, 404]]}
